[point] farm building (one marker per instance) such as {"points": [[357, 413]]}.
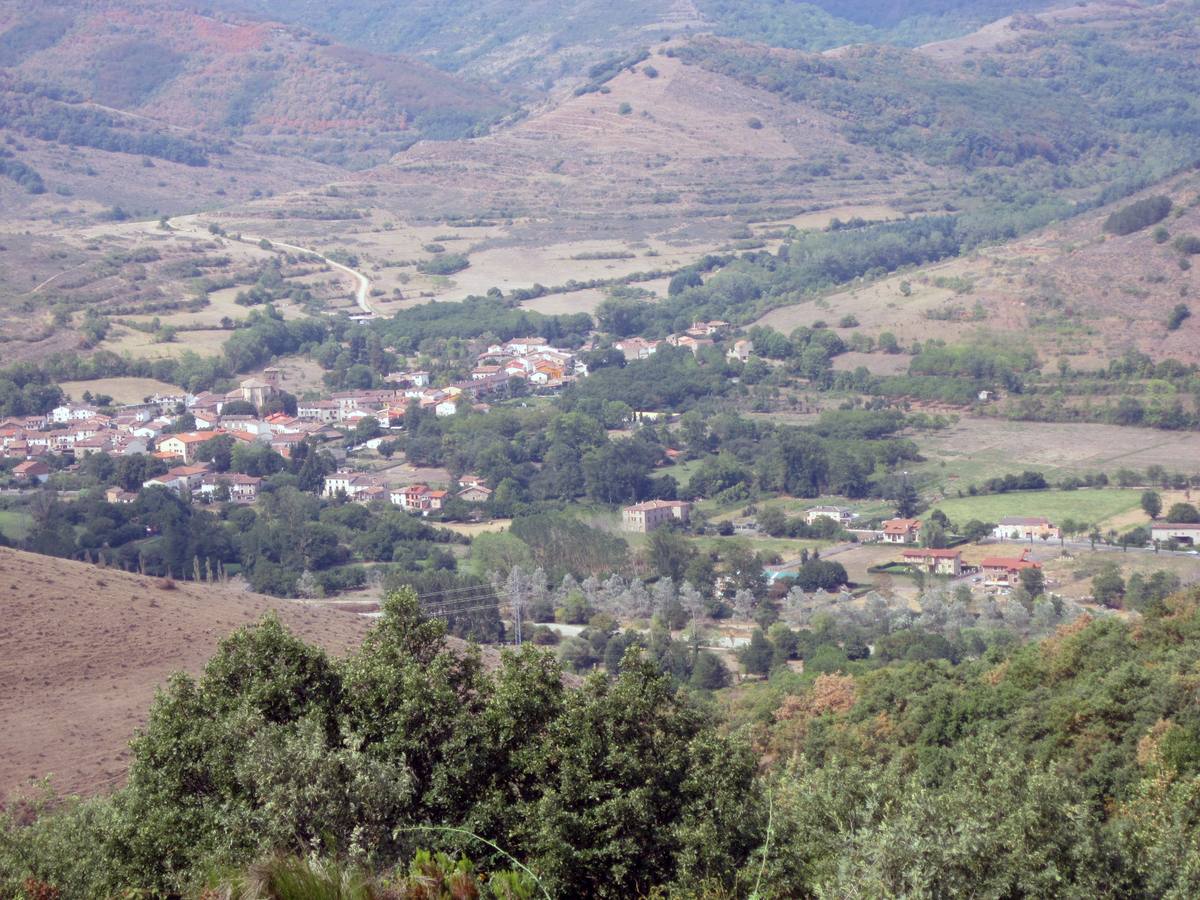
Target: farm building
{"points": [[1179, 532], [1025, 528], [839, 514], [645, 517]]}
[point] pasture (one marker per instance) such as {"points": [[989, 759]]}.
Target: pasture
{"points": [[1092, 505]]}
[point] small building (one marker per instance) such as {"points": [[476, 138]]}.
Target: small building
{"points": [[242, 488], [191, 476], [475, 493], [119, 495], [740, 351], [257, 391], [352, 484], [935, 562], [645, 517], [839, 514], [1004, 572], [901, 531], [1179, 532], [32, 470], [418, 498], [186, 444], [1025, 528]]}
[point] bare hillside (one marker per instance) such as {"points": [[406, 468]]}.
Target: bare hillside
{"points": [[83, 649]]}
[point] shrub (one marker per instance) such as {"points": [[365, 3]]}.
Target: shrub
{"points": [[624, 109], [446, 264], [1180, 313], [1188, 243], [1138, 215], [754, 122]]}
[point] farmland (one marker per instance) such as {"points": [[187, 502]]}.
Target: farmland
{"points": [[974, 449], [1092, 505]]}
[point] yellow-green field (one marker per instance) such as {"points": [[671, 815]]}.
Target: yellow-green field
{"points": [[1094, 505], [143, 346], [122, 390], [14, 525]]}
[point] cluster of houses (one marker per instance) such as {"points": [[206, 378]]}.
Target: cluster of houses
{"points": [[700, 335], [363, 487], [1001, 572], [531, 359]]}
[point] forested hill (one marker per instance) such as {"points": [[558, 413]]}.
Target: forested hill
{"points": [[282, 88], [537, 42]]}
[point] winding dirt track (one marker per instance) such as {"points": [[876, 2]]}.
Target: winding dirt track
{"points": [[362, 291]]}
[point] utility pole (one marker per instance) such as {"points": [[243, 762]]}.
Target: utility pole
{"points": [[517, 606]]}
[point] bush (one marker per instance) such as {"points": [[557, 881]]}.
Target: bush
{"points": [[754, 122], [447, 264], [1188, 243], [1178, 315], [1138, 215]]}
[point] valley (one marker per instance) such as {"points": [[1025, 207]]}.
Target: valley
{"points": [[420, 422]]}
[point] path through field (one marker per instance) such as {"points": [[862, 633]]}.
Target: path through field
{"points": [[362, 292]]}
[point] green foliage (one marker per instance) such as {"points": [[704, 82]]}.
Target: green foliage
{"points": [[1138, 215], [444, 264], [1179, 314], [1187, 244], [278, 749]]}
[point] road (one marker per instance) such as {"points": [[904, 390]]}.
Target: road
{"points": [[362, 292]]}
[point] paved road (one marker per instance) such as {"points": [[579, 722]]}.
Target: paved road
{"points": [[362, 291]]}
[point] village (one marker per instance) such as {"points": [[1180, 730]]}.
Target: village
{"points": [[254, 414]]}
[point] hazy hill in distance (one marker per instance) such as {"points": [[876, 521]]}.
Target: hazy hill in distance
{"points": [[278, 87], [538, 42]]}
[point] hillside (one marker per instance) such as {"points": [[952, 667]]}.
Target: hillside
{"points": [[279, 88], [83, 650], [532, 45]]}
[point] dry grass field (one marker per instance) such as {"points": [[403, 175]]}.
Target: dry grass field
{"points": [[83, 649], [144, 346], [977, 448], [122, 390]]}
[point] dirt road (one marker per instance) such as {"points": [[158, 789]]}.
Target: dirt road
{"points": [[362, 291]]}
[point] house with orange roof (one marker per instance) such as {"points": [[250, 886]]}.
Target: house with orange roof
{"points": [[935, 561], [185, 444], [1003, 571], [901, 531]]}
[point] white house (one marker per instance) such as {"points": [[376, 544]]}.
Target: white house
{"points": [[1179, 532]]}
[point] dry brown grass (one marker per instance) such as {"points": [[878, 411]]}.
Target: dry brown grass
{"points": [[82, 655]]}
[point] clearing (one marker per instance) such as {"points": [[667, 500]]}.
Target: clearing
{"points": [[976, 448], [122, 390]]}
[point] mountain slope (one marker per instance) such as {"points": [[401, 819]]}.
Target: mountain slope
{"points": [[278, 87], [545, 40], [83, 649]]}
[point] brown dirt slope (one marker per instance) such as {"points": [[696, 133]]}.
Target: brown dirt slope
{"points": [[683, 145], [83, 649]]}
